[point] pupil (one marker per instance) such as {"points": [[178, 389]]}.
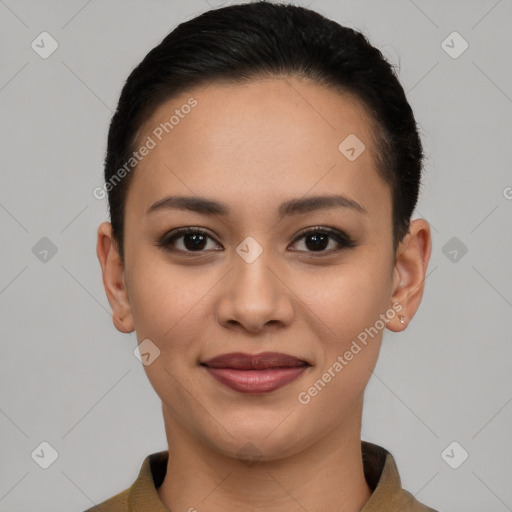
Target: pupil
{"points": [[315, 245], [198, 240]]}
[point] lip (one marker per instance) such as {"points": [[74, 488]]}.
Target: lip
{"points": [[255, 373]]}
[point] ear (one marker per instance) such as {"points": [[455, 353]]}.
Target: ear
{"points": [[114, 283], [411, 261]]}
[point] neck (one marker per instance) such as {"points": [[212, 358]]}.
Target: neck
{"points": [[327, 475]]}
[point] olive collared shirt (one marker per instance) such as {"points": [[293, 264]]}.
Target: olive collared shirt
{"points": [[380, 471]]}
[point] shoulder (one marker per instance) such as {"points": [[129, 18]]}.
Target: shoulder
{"points": [[142, 494], [381, 473], [409, 503], [118, 503]]}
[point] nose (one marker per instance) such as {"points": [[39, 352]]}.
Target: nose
{"points": [[255, 296]]}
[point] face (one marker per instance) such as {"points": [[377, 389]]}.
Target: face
{"points": [[250, 279]]}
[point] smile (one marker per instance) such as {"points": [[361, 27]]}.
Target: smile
{"points": [[258, 373]]}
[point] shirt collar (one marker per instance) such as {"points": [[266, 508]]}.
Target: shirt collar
{"points": [[380, 471]]}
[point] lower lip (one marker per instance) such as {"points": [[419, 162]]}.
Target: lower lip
{"points": [[256, 381]]}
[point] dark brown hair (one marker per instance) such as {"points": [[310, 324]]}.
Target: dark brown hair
{"points": [[264, 39]]}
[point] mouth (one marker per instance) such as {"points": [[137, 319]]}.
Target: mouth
{"points": [[255, 373]]}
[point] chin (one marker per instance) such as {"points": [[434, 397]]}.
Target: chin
{"points": [[263, 441]]}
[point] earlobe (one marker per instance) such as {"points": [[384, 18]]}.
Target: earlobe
{"points": [[114, 278], [411, 262]]}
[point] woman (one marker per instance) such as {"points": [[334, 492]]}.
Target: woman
{"points": [[262, 169]]}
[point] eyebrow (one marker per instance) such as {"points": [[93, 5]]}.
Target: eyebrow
{"points": [[207, 206]]}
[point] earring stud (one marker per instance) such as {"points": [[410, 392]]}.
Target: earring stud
{"points": [[402, 319]]}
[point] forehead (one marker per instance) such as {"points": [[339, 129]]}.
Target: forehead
{"points": [[258, 139]]}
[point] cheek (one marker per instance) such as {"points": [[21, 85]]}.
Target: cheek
{"points": [[166, 305], [162, 299], [348, 349], [348, 308], [349, 299]]}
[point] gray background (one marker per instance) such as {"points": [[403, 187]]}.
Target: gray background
{"points": [[69, 378]]}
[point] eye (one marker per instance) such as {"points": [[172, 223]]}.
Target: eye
{"points": [[194, 240], [190, 240], [317, 239]]}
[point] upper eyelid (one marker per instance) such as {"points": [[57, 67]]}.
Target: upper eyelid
{"points": [[305, 231]]}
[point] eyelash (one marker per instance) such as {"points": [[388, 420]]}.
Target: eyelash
{"points": [[344, 241]]}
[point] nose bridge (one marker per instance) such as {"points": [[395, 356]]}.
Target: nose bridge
{"points": [[252, 277], [253, 295]]}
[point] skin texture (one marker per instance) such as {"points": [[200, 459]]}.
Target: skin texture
{"points": [[252, 147]]}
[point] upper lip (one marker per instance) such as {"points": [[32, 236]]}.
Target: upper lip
{"points": [[242, 361]]}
